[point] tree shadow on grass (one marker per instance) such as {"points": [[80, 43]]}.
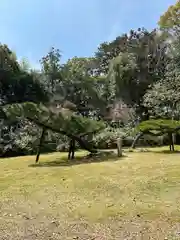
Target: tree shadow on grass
{"points": [[64, 162], [151, 150], [167, 152]]}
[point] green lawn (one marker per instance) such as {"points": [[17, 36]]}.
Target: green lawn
{"points": [[135, 197]]}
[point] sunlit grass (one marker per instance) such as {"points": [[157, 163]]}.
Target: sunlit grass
{"points": [[138, 188]]}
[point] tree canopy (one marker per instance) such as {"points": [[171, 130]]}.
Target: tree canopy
{"points": [[62, 121], [129, 80], [170, 20]]}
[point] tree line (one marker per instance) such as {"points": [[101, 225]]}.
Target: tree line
{"points": [[94, 100]]}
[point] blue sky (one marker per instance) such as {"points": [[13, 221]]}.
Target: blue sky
{"points": [[76, 27]]}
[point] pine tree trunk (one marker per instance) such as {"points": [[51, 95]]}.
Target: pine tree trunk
{"points": [[171, 143], [40, 144], [136, 139], [71, 149]]}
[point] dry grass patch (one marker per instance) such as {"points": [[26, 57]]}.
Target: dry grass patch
{"points": [[136, 197]]}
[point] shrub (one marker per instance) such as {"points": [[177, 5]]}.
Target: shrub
{"points": [[108, 137]]}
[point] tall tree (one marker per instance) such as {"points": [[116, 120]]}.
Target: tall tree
{"points": [[51, 68], [64, 121], [8, 60], [170, 20], [147, 46], [108, 50], [163, 98], [143, 63], [16, 85], [80, 86]]}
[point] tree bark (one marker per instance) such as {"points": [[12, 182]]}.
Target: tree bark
{"points": [[138, 136], [119, 147], [71, 149], [84, 144], [40, 144], [171, 143]]}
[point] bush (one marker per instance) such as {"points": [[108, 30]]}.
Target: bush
{"points": [[127, 141], [28, 135], [107, 138], [148, 140]]}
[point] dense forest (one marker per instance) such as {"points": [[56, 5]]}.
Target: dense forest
{"points": [[90, 102]]}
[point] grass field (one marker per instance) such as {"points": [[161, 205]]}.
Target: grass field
{"points": [[135, 197]]}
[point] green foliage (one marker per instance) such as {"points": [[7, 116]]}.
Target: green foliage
{"points": [[108, 137], [63, 120], [27, 137], [130, 79], [139, 64], [16, 84], [8, 60], [158, 126], [121, 75], [151, 140], [80, 87], [21, 87], [170, 20], [163, 98], [148, 47], [51, 68]]}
